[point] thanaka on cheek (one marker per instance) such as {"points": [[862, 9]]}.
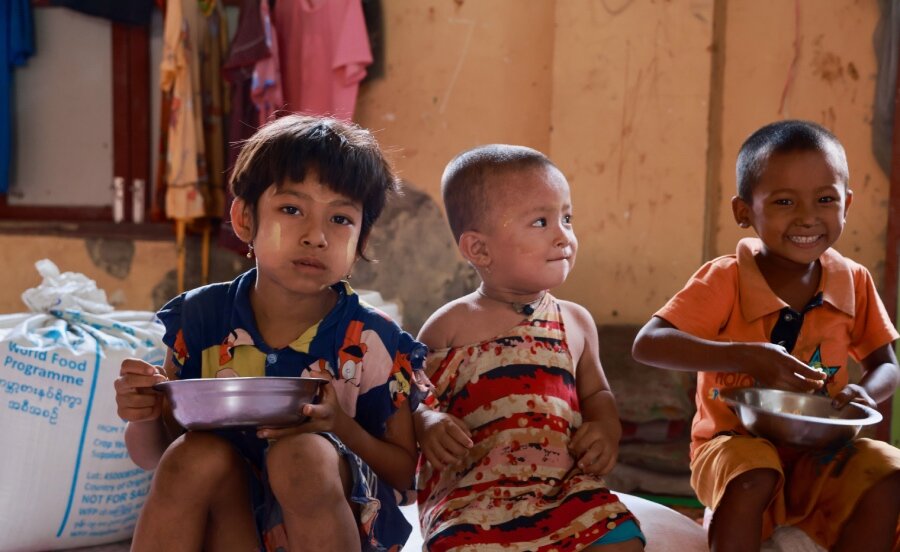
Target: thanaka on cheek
{"points": [[274, 239], [276, 236], [351, 254]]}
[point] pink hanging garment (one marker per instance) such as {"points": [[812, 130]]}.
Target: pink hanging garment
{"points": [[324, 51]]}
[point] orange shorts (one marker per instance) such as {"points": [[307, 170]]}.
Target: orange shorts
{"points": [[818, 489]]}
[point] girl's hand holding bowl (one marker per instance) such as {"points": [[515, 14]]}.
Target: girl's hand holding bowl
{"points": [[325, 416]]}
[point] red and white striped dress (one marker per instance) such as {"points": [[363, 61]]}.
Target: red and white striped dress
{"points": [[518, 488]]}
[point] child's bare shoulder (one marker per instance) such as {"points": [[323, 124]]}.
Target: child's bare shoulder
{"points": [[441, 328], [577, 317], [581, 331]]}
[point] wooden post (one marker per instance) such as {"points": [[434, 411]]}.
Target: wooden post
{"points": [[891, 259], [180, 252]]}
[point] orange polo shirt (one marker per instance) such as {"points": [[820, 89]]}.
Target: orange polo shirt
{"points": [[728, 299]]}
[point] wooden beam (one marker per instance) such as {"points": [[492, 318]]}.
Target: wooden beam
{"points": [[892, 246], [139, 113], [121, 107]]}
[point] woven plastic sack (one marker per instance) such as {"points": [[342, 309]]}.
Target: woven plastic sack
{"points": [[67, 480]]}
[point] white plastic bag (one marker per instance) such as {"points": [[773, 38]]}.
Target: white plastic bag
{"points": [[375, 300], [66, 479]]}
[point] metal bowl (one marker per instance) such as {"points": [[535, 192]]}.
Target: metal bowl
{"points": [[798, 419], [216, 403]]}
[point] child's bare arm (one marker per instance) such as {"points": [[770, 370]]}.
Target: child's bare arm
{"points": [[393, 457], [149, 431], [661, 344], [596, 443], [443, 438], [881, 375]]}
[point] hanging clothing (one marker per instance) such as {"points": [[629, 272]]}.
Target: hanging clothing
{"points": [[17, 44], [214, 93], [132, 12], [253, 44], [247, 47], [324, 50], [194, 41], [265, 86]]}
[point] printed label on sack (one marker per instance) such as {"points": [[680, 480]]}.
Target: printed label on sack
{"points": [[40, 383], [107, 501]]}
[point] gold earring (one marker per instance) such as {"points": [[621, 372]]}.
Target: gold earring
{"points": [[250, 250]]}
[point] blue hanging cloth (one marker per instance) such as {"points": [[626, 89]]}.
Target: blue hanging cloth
{"points": [[16, 45]]}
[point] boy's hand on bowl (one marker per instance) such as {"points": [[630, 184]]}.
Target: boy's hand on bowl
{"points": [[853, 393], [326, 416], [135, 398], [774, 367]]}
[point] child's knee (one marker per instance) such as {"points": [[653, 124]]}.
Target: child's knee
{"points": [[305, 453], [197, 457], [306, 468], [758, 484]]}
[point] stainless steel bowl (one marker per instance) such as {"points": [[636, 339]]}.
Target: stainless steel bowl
{"points": [[798, 419], [216, 403]]}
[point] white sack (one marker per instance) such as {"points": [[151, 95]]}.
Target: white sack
{"points": [[66, 479]]}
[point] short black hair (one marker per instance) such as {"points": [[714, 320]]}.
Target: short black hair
{"points": [[464, 185], [783, 137], [345, 156]]}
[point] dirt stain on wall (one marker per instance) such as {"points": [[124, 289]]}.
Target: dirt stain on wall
{"points": [[828, 67]]}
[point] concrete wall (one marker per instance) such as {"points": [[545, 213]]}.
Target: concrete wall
{"points": [[642, 103], [833, 83], [630, 102], [136, 274]]}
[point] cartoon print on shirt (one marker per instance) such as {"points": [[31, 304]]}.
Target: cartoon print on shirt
{"points": [[235, 338], [400, 383], [351, 353], [815, 362], [179, 348], [320, 369]]}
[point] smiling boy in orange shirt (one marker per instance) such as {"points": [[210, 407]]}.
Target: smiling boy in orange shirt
{"points": [[785, 312]]}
